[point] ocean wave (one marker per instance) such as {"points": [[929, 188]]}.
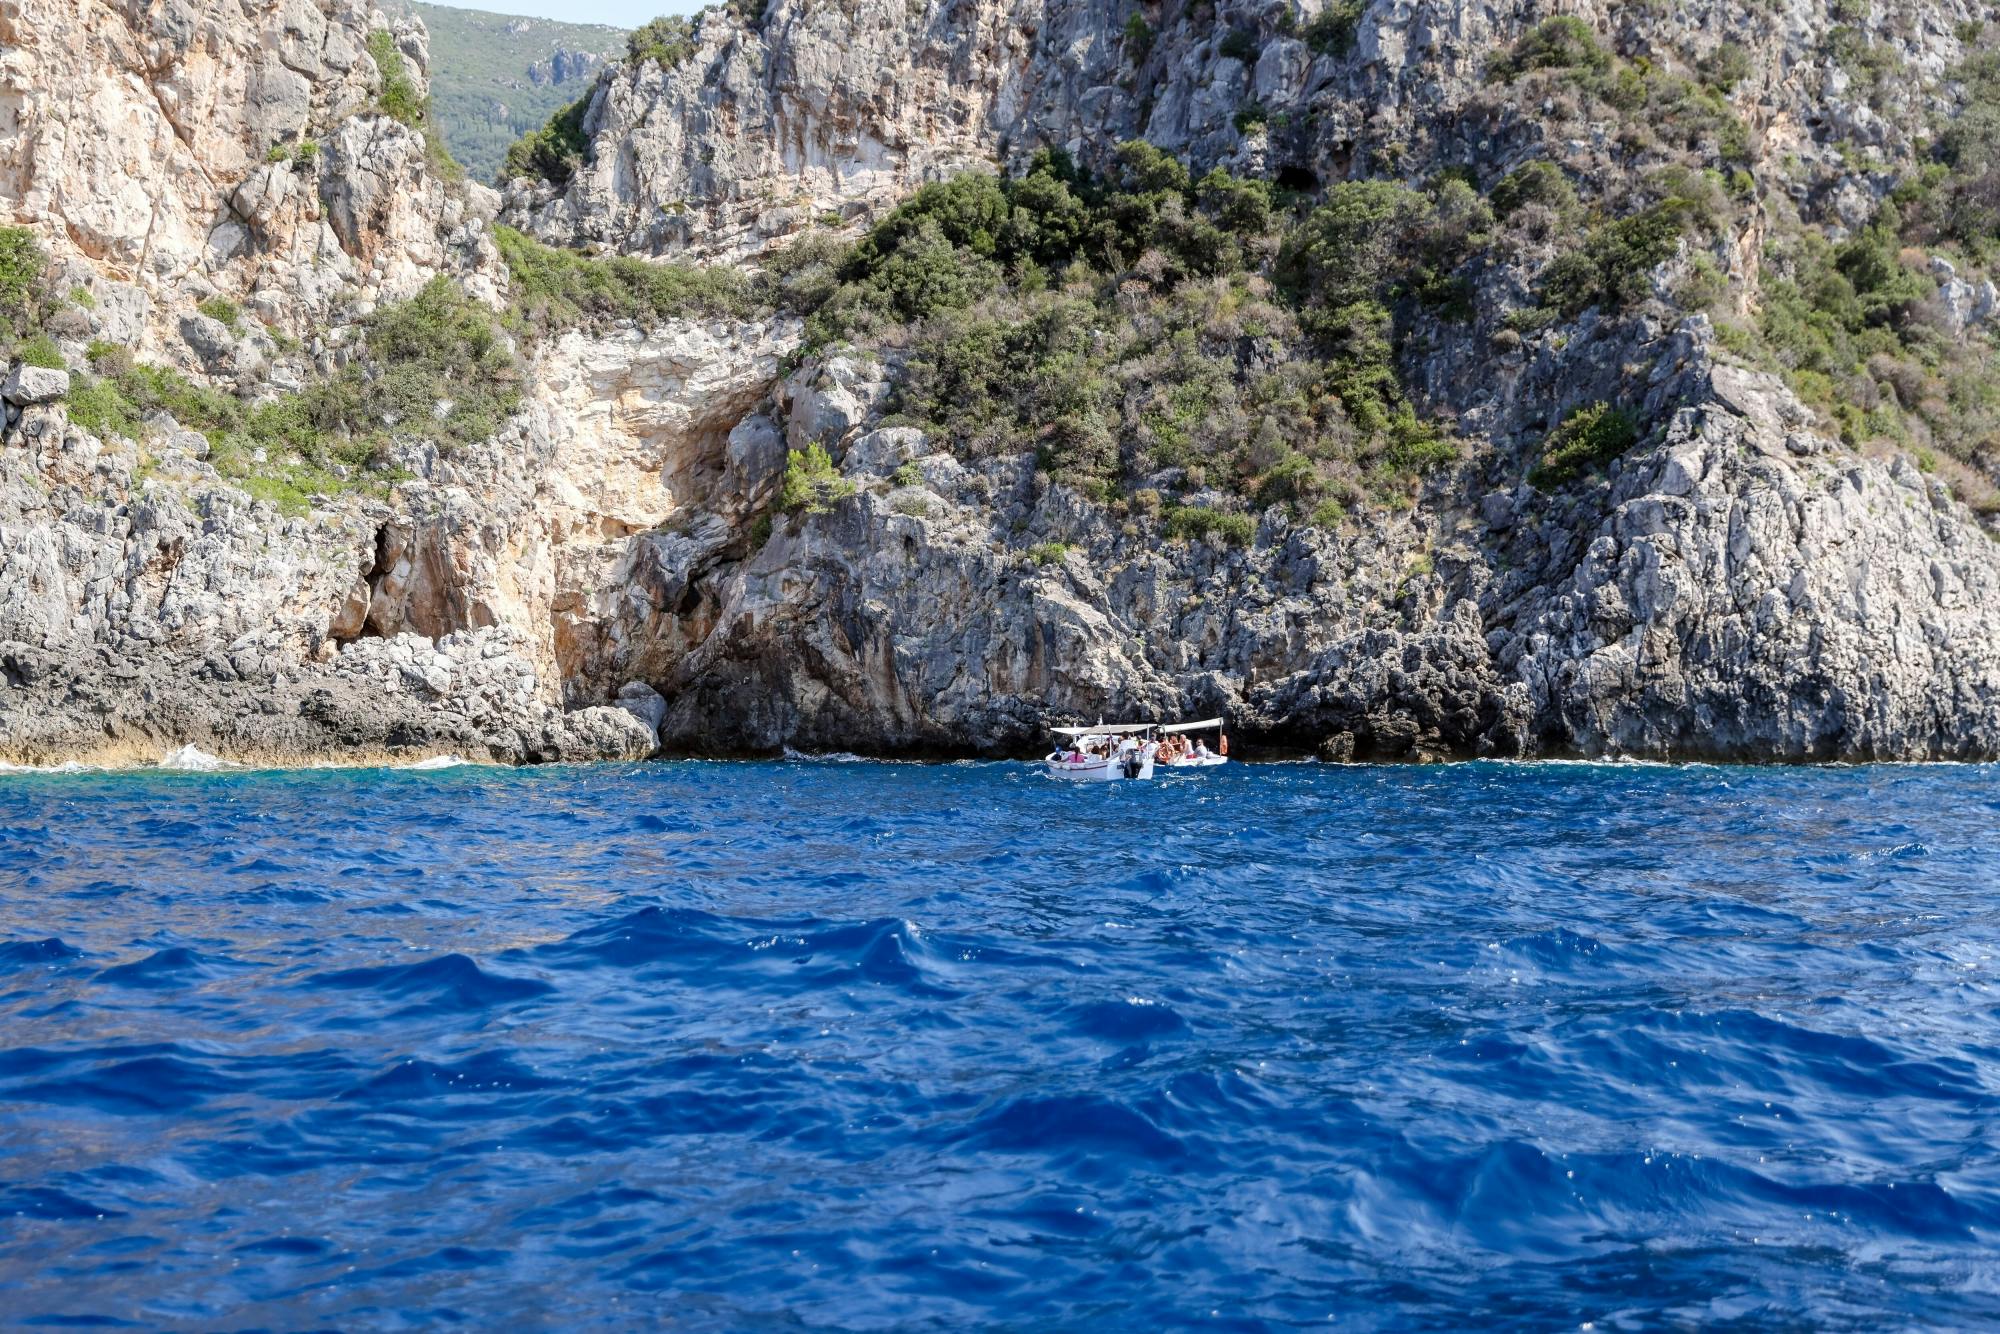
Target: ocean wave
{"points": [[449, 982], [193, 759], [435, 762]]}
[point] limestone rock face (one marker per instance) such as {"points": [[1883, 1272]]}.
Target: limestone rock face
{"points": [[1738, 599], [819, 112], [170, 152], [464, 615]]}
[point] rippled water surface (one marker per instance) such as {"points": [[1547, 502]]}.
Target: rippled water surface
{"points": [[901, 1046]]}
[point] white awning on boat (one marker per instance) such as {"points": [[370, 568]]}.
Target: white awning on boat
{"points": [[1102, 729], [1205, 725]]}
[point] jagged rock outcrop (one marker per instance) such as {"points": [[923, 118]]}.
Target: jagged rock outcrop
{"points": [[1747, 592], [1741, 591]]}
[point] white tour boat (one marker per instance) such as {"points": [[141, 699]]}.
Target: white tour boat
{"points": [[1194, 753], [1105, 753]]}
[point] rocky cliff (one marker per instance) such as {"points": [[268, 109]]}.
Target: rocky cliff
{"points": [[1446, 380]]}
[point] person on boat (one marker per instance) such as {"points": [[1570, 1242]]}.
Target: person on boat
{"points": [[1200, 749]]}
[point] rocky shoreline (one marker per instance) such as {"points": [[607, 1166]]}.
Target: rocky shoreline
{"points": [[693, 521]]}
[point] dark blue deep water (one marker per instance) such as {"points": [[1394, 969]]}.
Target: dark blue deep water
{"points": [[821, 1045]]}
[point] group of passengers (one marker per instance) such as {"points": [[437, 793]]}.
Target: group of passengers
{"points": [[1171, 750], [1090, 749], [1177, 748]]}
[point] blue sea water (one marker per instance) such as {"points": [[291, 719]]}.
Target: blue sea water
{"points": [[872, 1046]]}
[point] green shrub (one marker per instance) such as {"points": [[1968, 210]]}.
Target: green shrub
{"points": [[555, 151], [967, 212], [1725, 67], [558, 289], [1144, 321], [1587, 436], [1964, 203], [1872, 64], [1332, 31], [669, 40], [21, 264], [1849, 325], [1138, 38], [1412, 446], [108, 358], [1242, 205], [281, 493], [1251, 115], [928, 273], [1190, 522], [1353, 247], [398, 98], [1530, 320], [1538, 182], [1328, 514], [40, 350], [437, 367], [1613, 267], [1240, 44], [1048, 553], [1554, 43], [907, 474], [1704, 288], [812, 485], [101, 408], [1294, 481], [224, 312], [81, 298]]}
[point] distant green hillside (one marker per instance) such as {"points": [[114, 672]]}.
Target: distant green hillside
{"points": [[494, 77]]}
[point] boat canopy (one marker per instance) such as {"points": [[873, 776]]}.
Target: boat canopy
{"points": [[1103, 729], [1205, 725]]}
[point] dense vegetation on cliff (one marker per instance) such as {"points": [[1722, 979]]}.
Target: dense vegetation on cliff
{"points": [[1152, 332]]}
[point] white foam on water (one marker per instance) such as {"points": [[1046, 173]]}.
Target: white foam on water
{"points": [[433, 763], [193, 759], [66, 767], [824, 757]]}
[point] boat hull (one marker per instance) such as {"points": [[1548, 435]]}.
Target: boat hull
{"points": [[1095, 771], [1205, 762]]}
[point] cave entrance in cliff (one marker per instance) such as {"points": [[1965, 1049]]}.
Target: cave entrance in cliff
{"points": [[1296, 179]]}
